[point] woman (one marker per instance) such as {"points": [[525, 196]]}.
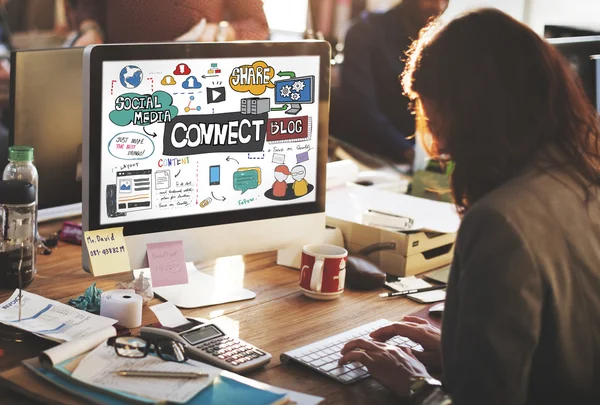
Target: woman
{"points": [[522, 317]]}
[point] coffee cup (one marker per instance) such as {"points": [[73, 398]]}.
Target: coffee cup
{"points": [[323, 271]]}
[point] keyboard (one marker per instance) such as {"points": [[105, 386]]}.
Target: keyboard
{"points": [[323, 355]]}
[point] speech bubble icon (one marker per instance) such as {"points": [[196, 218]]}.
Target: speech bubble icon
{"points": [[246, 179], [278, 158], [255, 78], [131, 146]]}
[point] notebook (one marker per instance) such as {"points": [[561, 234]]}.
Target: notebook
{"points": [[227, 388], [407, 283], [440, 275]]}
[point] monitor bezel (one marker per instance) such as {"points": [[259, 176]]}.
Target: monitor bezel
{"points": [[99, 54]]}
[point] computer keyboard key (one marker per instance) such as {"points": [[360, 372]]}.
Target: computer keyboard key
{"points": [[329, 366], [346, 377], [339, 371], [354, 374], [318, 363]]}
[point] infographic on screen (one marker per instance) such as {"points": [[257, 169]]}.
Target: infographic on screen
{"points": [[196, 136]]}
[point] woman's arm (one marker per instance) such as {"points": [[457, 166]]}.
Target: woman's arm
{"points": [[248, 19]]}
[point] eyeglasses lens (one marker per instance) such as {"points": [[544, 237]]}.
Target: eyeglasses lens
{"points": [[130, 347], [171, 350]]}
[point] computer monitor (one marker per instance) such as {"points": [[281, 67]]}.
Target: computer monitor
{"points": [[46, 114], [578, 51], [182, 142], [293, 92]]}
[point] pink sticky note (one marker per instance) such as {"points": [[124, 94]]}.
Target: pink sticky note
{"points": [[167, 263]]}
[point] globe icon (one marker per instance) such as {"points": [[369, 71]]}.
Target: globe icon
{"points": [[131, 76]]}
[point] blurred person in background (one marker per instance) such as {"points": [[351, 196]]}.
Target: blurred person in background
{"points": [[131, 21], [370, 110]]}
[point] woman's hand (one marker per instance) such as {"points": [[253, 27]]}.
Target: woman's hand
{"points": [[420, 331], [391, 365]]}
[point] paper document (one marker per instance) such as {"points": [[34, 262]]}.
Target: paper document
{"points": [[407, 283], [168, 315], [99, 366], [51, 319], [68, 350], [349, 203]]}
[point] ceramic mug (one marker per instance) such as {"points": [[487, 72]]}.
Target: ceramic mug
{"points": [[323, 271]]}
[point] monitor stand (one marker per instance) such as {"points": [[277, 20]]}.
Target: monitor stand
{"points": [[294, 109], [202, 289]]}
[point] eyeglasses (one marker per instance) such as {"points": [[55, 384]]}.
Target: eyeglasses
{"points": [[135, 347]]}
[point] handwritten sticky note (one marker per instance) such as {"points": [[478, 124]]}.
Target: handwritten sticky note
{"points": [[167, 263], [108, 251]]}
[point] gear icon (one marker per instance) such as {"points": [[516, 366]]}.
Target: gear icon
{"points": [[298, 86], [295, 96], [285, 91]]}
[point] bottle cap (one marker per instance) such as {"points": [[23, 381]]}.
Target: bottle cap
{"points": [[16, 192], [20, 153]]}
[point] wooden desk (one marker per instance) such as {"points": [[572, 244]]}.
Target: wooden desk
{"points": [[280, 318]]}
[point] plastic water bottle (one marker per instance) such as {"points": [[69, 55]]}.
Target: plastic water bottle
{"points": [[20, 167]]}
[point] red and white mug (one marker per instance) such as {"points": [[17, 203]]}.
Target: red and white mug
{"points": [[323, 271]]}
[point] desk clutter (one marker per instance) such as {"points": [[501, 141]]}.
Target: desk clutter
{"points": [[96, 366]]}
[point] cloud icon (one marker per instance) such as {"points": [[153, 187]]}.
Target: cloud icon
{"points": [[182, 69], [255, 78], [168, 80], [191, 83]]}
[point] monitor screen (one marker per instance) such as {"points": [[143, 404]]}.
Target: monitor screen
{"points": [[50, 120], [196, 136], [578, 52]]}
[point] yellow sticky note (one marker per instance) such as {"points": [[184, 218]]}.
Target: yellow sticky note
{"points": [[108, 251]]}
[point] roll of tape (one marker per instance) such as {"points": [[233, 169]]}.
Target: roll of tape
{"points": [[123, 305]]}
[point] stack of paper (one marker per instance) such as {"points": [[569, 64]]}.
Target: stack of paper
{"points": [[51, 319], [99, 369]]}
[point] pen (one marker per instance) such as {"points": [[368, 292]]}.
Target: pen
{"points": [[415, 290], [20, 275], [389, 214], [160, 374]]}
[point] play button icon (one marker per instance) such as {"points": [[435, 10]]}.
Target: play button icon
{"points": [[215, 95]]}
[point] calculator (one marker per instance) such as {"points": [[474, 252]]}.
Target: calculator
{"points": [[207, 343]]}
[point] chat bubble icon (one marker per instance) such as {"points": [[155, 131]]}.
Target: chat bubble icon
{"points": [[246, 179], [131, 146], [278, 158], [143, 109], [255, 78], [302, 157]]}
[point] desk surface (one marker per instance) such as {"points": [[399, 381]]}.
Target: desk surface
{"points": [[280, 318]]}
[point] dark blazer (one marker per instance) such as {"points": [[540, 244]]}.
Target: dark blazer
{"points": [[370, 109], [522, 317]]}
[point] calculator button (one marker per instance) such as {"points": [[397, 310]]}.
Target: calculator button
{"points": [[242, 360], [229, 359], [258, 352], [234, 363], [222, 357], [215, 353]]}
